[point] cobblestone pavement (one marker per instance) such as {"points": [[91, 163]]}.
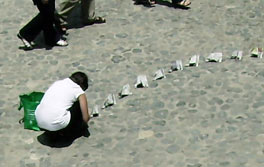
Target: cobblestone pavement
{"points": [[205, 116]]}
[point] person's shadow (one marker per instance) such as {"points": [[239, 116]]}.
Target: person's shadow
{"points": [[165, 3], [59, 141], [38, 44]]}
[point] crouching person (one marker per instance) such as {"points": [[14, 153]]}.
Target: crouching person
{"points": [[63, 110]]}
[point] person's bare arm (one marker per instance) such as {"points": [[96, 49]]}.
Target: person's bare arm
{"points": [[84, 107]]}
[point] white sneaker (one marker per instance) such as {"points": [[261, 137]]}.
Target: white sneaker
{"points": [[27, 44], [61, 42]]}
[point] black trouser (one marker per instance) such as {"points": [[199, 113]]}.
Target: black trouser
{"points": [[76, 125], [43, 21]]}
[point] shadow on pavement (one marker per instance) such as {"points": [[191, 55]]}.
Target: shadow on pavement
{"points": [[164, 3], [171, 5], [59, 141]]}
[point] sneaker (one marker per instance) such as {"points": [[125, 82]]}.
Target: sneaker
{"points": [[61, 42], [27, 44]]}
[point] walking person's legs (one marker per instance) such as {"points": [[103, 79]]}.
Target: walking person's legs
{"points": [[31, 29], [43, 21], [65, 9], [87, 9], [88, 13], [47, 15]]}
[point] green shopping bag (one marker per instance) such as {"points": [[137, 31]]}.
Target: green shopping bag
{"points": [[30, 102]]}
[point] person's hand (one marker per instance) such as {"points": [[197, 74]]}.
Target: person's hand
{"points": [[45, 1]]}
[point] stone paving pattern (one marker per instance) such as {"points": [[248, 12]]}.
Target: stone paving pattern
{"points": [[206, 116]]}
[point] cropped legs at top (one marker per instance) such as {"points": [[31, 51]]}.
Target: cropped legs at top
{"points": [[43, 21]]}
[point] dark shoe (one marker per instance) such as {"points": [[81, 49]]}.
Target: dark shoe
{"points": [[26, 43], [95, 20]]}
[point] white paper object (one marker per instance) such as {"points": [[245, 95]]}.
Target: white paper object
{"points": [[159, 74], [142, 82], [125, 91], [95, 111], [111, 100], [257, 52], [176, 66], [215, 57], [237, 55], [194, 61]]}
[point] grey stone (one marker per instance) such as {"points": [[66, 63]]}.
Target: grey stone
{"points": [[173, 149], [85, 155], [195, 165], [106, 55], [4, 32], [160, 123], [194, 139], [45, 162], [219, 130], [196, 75], [21, 163], [75, 64], [159, 135], [137, 50], [192, 111], [162, 114], [192, 105], [204, 123], [30, 165], [121, 35], [107, 140], [258, 104], [229, 100], [53, 62], [217, 100], [2, 103], [204, 136], [235, 90], [133, 153], [225, 107], [99, 145], [157, 104], [135, 102], [153, 84], [117, 59], [181, 103], [222, 114], [202, 92], [231, 129]]}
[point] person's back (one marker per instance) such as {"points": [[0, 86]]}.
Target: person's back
{"points": [[52, 113]]}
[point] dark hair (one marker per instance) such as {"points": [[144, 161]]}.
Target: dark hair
{"points": [[81, 79]]}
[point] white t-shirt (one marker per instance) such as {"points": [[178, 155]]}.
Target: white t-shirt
{"points": [[52, 113]]}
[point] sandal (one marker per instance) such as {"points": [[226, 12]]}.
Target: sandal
{"points": [[27, 44], [95, 20], [184, 3]]}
